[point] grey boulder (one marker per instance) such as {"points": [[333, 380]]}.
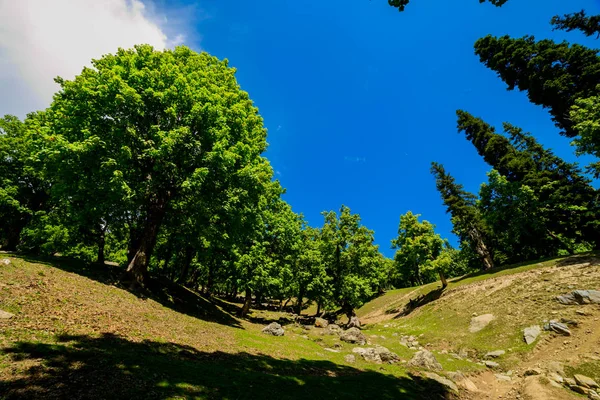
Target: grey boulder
{"points": [[353, 335], [273, 329], [425, 359], [578, 297]]}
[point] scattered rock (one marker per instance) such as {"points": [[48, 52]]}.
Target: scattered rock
{"points": [[333, 329], [425, 359], [593, 395], [580, 312], [5, 261], [353, 323], [443, 381], [533, 371], [502, 377], [570, 382], [455, 375], [350, 358], [386, 355], [5, 315], [491, 364], [584, 381], [369, 354], [353, 335], [377, 354], [480, 322], [321, 323], [553, 376], [273, 329], [579, 389], [331, 350], [467, 384], [578, 297], [409, 341], [557, 327], [570, 322], [495, 354], [531, 333]]}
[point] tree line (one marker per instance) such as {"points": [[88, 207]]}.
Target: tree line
{"points": [[154, 160]]}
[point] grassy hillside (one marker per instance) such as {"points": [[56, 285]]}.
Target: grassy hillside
{"points": [[77, 334]]}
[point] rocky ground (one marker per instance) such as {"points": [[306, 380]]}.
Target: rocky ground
{"points": [[529, 332]]}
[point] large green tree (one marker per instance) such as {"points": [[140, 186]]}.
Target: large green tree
{"points": [[352, 260], [418, 246], [145, 126], [567, 202]]}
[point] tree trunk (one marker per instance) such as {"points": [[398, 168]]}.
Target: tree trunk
{"points": [[137, 270], [481, 249], [101, 245], [443, 279], [318, 309], [189, 255], [247, 303], [299, 301]]}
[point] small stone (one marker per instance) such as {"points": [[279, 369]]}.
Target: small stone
{"points": [[321, 323], [480, 322], [353, 335], [585, 381], [570, 382], [504, 378], [533, 371], [580, 312], [331, 350], [553, 376], [579, 389], [350, 358], [353, 323], [443, 381], [5, 261], [5, 315], [425, 359], [531, 333], [273, 329], [593, 395], [467, 384], [491, 364], [495, 354], [557, 327]]}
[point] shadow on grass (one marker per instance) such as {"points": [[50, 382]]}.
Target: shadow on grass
{"points": [[420, 301], [110, 367], [163, 291]]}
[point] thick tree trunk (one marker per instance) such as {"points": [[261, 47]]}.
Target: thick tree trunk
{"points": [[443, 279], [137, 270], [318, 309], [247, 303]]}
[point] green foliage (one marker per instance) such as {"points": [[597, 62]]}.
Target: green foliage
{"points": [[468, 223], [418, 247], [352, 261], [23, 191], [549, 199], [585, 115], [589, 25], [553, 74]]}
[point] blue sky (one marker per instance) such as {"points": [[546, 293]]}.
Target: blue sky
{"points": [[359, 98]]}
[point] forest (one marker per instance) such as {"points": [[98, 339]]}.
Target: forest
{"points": [[154, 160]]}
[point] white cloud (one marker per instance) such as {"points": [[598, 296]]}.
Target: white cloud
{"points": [[42, 39]]}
